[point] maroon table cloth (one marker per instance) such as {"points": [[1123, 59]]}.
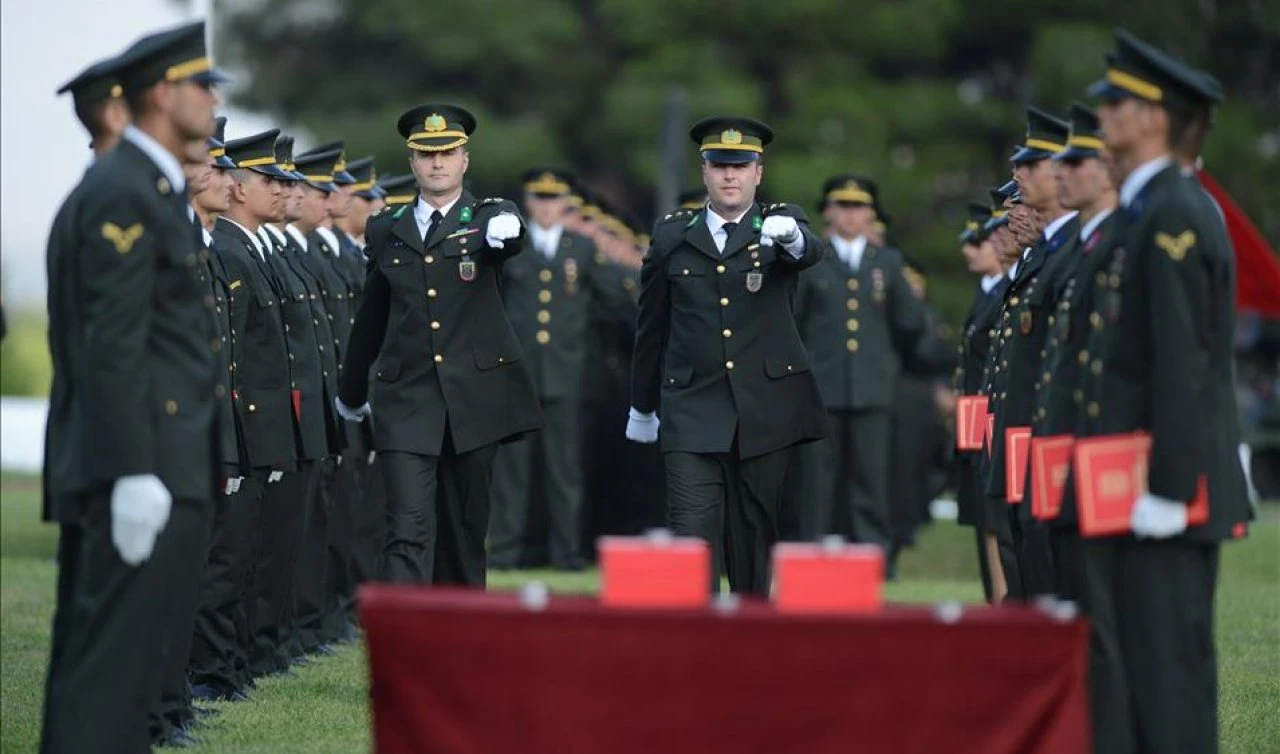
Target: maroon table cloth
{"points": [[467, 672]]}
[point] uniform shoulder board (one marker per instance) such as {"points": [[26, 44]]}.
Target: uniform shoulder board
{"points": [[399, 212], [385, 210], [679, 214], [492, 200]]}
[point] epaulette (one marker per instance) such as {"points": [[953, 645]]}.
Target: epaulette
{"points": [[775, 207], [399, 212], [679, 215], [492, 200]]}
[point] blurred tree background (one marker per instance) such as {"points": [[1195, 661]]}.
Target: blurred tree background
{"points": [[926, 96]]}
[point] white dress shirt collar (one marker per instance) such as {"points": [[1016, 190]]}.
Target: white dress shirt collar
{"points": [[167, 163], [546, 240], [1052, 228], [1136, 181], [715, 224], [989, 282], [850, 251], [297, 235], [328, 235], [1093, 224], [422, 213], [257, 242]]}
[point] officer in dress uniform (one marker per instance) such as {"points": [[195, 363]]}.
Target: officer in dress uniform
{"points": [[100, 107], [858, 318], [450, 384], [131, 467], [1085, 186], [718, 359], [1024, 323], [219, 660], [981, 259], [547, 291], [1164, 299], [261, 375]]}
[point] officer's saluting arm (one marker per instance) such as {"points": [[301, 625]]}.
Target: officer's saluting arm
{"points": [[503, 228], [786, 227], [370, 326], [1179, 301], [117, 275]]}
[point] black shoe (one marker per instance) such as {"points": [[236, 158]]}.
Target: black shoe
{"points": [[179, 738], [204, 712], [324, 649], [240, 695]]}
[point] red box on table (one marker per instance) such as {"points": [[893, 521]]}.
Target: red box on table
{"points": [[654, 571], [827, 578]]}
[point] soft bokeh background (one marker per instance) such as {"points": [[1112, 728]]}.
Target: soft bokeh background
{"points": [[926, 96]]}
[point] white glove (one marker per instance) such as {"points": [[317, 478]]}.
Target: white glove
{"points": [[642, 427], [233, 485], [140, 506], [352, 414], [274, 477], [1158, 517], [782, 231], [501, 229]]}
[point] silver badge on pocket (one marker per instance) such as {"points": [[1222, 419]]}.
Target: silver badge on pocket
{"points": [[466, 270], [754, 281]]}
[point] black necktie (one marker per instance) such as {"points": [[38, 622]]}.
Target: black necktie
{"points": [[436, 217], [728, 233]]}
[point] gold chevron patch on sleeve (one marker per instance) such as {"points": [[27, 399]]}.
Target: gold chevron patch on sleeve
{"points": [[1176, 247], [122, 239]]}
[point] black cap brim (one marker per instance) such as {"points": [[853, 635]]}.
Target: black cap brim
{"points": [[224, 162], [1105, 90], [211, 76], [1075, 153], [1030, 154], [343, 178], [730, 156], [327, 188], [994, 223], [271, 171]]}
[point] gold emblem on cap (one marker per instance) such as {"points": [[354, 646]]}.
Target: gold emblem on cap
{"points": [[435, 122], [731, 137]]}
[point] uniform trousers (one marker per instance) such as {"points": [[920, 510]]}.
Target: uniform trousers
{"points": [[732, 503], [437, 515], [112, 630]]}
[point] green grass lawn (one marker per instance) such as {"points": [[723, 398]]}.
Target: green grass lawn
{"points": [[324, 709]]}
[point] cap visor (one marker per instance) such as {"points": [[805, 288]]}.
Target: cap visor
{"points": [[1103, 89], [327, 188], [344, 178], [730, 156], [271, 171], [965, 236], [994, 223], [1075, 153], [211, 76], [1028, 154], [224, 162]]}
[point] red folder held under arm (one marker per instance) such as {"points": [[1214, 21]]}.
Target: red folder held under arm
{"points": [[1111, 473], [1017, 441], [970, 410], [1050, 462]]}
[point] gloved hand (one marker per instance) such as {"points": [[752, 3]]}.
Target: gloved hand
{"points": [[352, 414], [642, 428], [274, 477], [233, 485], [501, 229], [780, 230], [1158, 517], [140, 506]]}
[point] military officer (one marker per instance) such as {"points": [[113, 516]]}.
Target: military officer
{"points": [[99, 104], [131, 467], [450, 384], [1029, 303], [366, 199], [718, 358], [220, 643], [982, 260], [859, 319], [1164, 303], [547, 291], [261, 387]]}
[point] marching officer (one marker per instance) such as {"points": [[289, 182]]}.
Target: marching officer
{"points": [[1163, 301], [547, 290], [131, 466], [450, 384], [718, 358], [1028, 305], [859, 320]]}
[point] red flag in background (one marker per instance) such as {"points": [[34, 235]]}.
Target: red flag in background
{"points": [[1257, 268]]}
